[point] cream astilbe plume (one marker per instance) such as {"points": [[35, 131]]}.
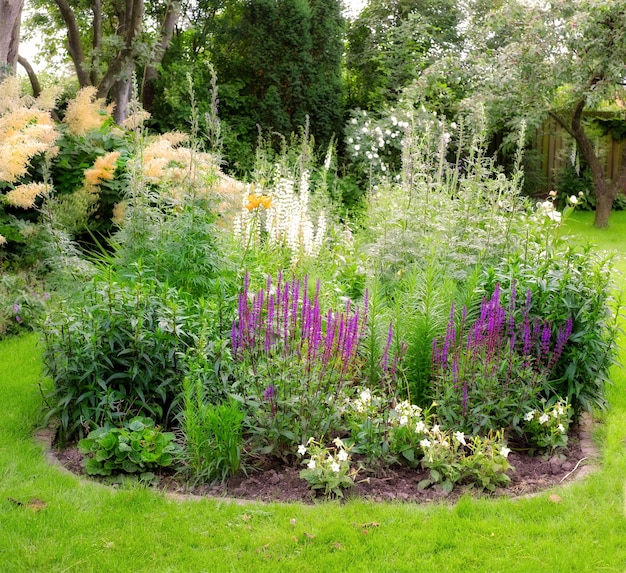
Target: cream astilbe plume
{"points": [[103, 169], [165, 162], [9, 94], [136, 119], [119, 212], [24, 196], [23, 134], [85, 113], [47, 99]]}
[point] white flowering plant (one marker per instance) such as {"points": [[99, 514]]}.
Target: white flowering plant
{"points": [[409, 426], [366, 415], [452, 457], [327, 467], [547, 428]]}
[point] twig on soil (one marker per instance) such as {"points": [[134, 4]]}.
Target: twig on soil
{"points": [[570, 473]]}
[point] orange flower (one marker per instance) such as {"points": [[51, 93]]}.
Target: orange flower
{"points": [[255, 200]]}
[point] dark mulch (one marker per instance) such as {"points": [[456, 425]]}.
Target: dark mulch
{"points": [[273, 482]]}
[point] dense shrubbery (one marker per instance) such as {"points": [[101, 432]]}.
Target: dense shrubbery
{"points": [[444, 326]]}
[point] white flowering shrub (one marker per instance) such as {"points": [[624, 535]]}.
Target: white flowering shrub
{"points": [[327, 467], [547, 428], [374, 144]]}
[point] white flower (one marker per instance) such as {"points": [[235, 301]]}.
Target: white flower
{"points": [[302, 449], [342, 456], [552, 193], [311, 464], [357, 147], [504, 451], [460, 437], [338, 442], [420, 427], [573, 200], [561, 428], [353, 120], [560, 410], [555, 216], [529, 416], [404, 420], [555, 413], [425, 444], [366, 396], [435, 428], [350, 140], [335, 467], [581, 194], [544, 418]]}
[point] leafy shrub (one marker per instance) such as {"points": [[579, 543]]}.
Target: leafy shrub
{"points": [[117, 352], [136, 447], [490, 371], [568, 282]]}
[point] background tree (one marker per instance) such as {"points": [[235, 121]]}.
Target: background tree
{"points": [[559, 60], [109, 40], [277, 62], [10, 20], [392, 41]]}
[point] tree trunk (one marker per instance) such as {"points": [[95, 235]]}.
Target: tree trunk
{"points": [[606, 191], [150, 73], [10, 21], [121, 93], [604, 204], [74, 42]]}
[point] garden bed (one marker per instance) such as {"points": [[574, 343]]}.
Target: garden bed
{"points": [[271, 481]]}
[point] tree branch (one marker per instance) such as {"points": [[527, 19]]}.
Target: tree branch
{"points": [[32, 75], [170, 19], [130, 30], [96, 9], [74, 44]]}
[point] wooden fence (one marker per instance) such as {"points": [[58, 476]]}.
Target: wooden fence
{"points": [[556, 147]]}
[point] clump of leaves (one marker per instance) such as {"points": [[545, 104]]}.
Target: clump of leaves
{"points": [[138, 446]]}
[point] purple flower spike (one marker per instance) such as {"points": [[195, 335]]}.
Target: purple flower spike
{"points": [[270, 392], [16, 308]]}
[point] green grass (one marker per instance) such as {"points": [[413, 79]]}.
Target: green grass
{"points": [[85, 527]]}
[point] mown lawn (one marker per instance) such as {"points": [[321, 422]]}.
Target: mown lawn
{"points": [[81, 526]]}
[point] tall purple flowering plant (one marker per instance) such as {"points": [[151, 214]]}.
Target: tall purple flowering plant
{"points": [[487, 374], [294, 360]]}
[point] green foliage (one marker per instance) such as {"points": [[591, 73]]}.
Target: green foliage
{"points": [[212, 433], [136, 447], [67, 171], [575, 282], [23, 302], [390, 43], [117, 351]]}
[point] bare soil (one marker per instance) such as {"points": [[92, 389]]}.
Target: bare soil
{"points": [[271, 481]]}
